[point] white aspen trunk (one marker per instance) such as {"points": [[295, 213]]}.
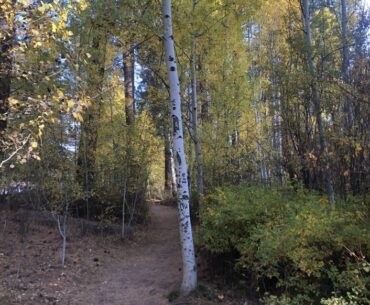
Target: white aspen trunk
{"points": [[173, 173], [123, 210], [189, 155], [277, 136], [63, 255], [194, 122], [167, 164], [62, 228], [316, 101], [189, 280], [260, 153]]}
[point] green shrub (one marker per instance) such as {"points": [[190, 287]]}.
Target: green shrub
{"points": [[291, 243]]}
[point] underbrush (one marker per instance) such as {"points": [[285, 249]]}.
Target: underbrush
{"points": [[291, 247]]}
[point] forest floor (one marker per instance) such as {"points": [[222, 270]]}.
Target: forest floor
{"points": [[99, 270]]}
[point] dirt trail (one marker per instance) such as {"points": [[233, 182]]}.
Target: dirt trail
{"points": [[98, 271], [144, 273]]}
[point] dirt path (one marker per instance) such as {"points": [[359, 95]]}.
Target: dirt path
{"points": [[98, 271], [144, 273]]}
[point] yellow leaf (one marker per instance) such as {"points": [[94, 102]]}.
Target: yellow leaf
{"points": [[42, 9], [35, 32], [358, 149], [70, 103], [83, 5], [13, 102], [77, 116], [54, 27], [34, 144], [36, 157], [60, 93], [323, 201]]}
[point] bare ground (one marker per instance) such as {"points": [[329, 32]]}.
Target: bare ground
{"points": [[99, 271]]}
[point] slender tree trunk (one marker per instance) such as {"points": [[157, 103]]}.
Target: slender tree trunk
{"points": [[90, 125], [277, 136], [194, 123], [129, 76], [123, 209], [129, 86], [62, 227], [170, 184], [167, 165], [277, 139], [173, 174], [345, 65], [261, 156], [348, 105], [189, 280], [206, 104], [189, 155], [317, 103]]}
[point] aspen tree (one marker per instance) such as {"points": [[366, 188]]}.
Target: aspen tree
{"points": [[316, 100], [189, 279]]}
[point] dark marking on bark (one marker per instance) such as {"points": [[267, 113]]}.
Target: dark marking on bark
{"points": [[178, 159], [170, 58], [176, 125], [184, 177], [173, 69], [167, 16]]}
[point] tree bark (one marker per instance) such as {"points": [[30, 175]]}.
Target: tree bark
{"points": [[189, 279], [348, 107], [277, 140], [167, 165], [129, 88], [277, 135], [316, 101], [90, 125], [129, 77], [205, 115], [194, 123], [173, 174]]}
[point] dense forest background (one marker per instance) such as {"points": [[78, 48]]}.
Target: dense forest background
{"points": [[275, 105]]}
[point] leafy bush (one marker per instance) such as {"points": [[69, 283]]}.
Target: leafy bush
{"points": [[292, 244]]}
